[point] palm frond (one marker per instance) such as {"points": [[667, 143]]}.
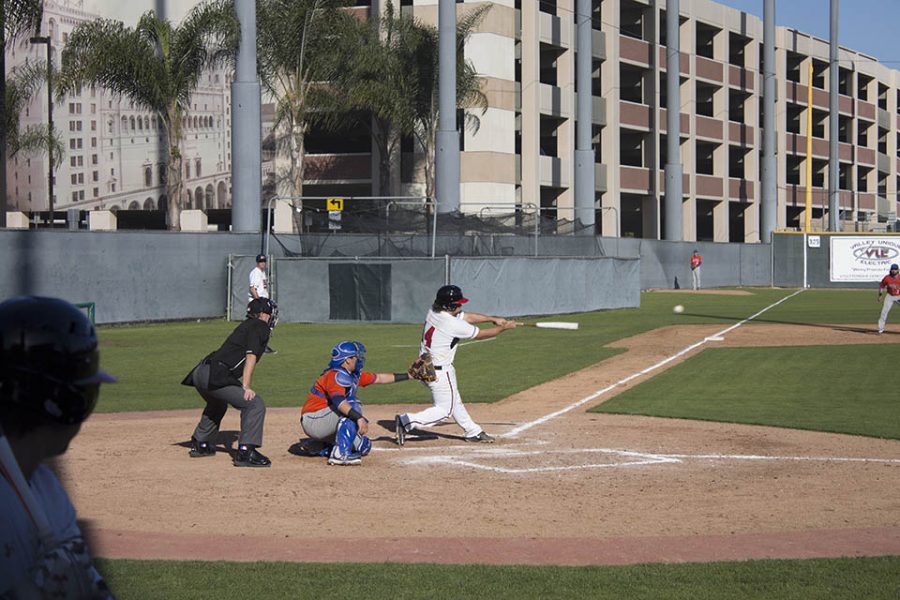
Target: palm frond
{"points": [[20, 17]]}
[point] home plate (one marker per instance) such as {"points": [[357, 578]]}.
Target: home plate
{"points": [[715, 338]]}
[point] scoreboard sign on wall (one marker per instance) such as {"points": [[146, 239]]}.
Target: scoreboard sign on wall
{"points": [[857, 258]]}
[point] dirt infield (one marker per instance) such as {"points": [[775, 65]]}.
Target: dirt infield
{"points": [[569, 489]]}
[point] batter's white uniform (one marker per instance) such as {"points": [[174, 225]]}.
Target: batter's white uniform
{"points": [[259, 280], [441, 336]]}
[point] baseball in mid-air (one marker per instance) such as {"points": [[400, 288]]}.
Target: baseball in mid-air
{"points": [[678, 309]]}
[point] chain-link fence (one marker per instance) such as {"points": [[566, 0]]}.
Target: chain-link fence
{"points": [[396, 219]]}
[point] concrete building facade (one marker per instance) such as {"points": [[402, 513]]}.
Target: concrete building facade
{"points": [[522, 156], [114, 151]]}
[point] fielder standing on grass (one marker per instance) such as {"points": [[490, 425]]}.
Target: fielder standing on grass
{"points": [[445, 325], [696, 262], [224, 377], [259, 285], [891, 283], [49, 384]]}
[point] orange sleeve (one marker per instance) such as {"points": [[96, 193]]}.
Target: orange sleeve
{"points": [[366, 378]]}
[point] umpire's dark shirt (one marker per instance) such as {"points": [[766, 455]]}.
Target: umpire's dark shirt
{"points": [[250, 336]]}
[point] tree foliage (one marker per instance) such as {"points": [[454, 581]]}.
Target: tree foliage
{"points": [[297, 50], [21, 87], [157, 65]]}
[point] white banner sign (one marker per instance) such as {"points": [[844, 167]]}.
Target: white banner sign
{"points": [[867, 259]]}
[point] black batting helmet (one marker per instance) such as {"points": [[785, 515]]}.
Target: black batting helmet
{"points": [[449, 296], [49, 362]]}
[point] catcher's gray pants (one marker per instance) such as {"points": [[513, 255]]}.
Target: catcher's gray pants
{"points": [[320, 425], [253, 413]]}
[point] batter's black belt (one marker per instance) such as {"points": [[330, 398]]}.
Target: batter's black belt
{"points": [[438, 368]]}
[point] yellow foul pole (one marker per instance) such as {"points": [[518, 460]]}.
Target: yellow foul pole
{"points": [[809, 145]]}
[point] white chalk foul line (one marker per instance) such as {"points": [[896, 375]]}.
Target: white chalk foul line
{"points": [[540, 421], [630, 459]]}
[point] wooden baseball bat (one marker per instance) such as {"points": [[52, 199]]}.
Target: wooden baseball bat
{"points": [[9, 469], [551, 325]]}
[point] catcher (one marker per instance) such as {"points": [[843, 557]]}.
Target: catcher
{"points": [[445, 325], [332, 415]]}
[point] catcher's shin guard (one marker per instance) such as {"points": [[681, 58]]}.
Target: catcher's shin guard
{"points": [[344, 438]]}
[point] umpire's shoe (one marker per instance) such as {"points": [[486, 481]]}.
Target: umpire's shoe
{"points": [[399, 431], [482, 437], [200, 449], [248, 456]]}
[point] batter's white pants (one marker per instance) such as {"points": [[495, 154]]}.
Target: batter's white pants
{"points": [[447, 403], [695, 278], [889, 302]]}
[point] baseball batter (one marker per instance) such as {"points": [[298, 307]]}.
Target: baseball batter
{"points": [[332, 414], [445, 326], [891, 283]]}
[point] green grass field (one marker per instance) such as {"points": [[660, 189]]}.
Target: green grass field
{"points": [[833, 579], [151, 360], [824, 388], [820, 388]]}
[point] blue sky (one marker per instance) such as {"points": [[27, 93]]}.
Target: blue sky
{"points": [[868, 26]]}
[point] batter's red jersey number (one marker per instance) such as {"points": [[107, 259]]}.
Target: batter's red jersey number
{"points": [[428, 334]]}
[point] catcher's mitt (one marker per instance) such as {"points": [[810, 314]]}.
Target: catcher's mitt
{"points": [[423, 368]]}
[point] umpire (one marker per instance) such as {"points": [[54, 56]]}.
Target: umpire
{"points": [[223, 378]]}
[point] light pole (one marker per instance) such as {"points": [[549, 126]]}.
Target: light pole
{"points": [[40, 39]]}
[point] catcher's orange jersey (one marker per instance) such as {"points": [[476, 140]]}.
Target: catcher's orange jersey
{"points": [[326, 386]]}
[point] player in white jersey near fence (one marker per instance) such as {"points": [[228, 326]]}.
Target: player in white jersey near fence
{"points": [[445, 325]]}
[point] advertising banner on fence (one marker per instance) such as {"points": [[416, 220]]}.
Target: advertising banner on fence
{"points": [[856, 258]]}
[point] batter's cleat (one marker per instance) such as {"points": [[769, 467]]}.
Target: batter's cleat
{"points": [[482, 437], [350, 459], [251, 457], [399, 431], [200, 449], [270, 351]]}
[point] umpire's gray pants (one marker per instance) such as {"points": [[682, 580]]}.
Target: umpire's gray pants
{"points": [[253, 413]]}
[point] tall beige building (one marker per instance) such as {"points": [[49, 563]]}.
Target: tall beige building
{"points": [[523, 154]]}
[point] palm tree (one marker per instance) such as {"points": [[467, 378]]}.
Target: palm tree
{"points": [[17, 17], [21, 87], [296, 41], [378, 80], [393, 74], [157, 66], [468, 88]]}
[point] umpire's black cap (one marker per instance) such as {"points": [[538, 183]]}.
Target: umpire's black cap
{"points": [[260, 258]]}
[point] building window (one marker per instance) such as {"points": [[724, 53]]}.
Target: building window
{"points": [[197, 167], [148, 176]]}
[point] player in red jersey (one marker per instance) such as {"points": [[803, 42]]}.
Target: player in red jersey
{"points": [[891, 283]]}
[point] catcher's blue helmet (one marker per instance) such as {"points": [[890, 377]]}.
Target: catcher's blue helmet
{"points": [[347, 349]]}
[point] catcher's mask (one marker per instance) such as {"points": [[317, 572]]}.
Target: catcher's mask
{"points": [[49, 362], [449, 297], [345, 350], [258, 306]]}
